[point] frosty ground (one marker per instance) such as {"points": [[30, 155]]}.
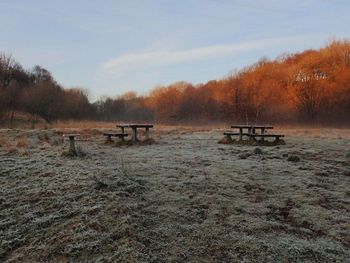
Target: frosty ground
{"points": [[185, 198]]}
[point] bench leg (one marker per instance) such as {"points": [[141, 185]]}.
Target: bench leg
{"points": [[240, 134], [72, 145], [147, 133], [134, 135], [109, 138], [251, 130], [122, 138]]}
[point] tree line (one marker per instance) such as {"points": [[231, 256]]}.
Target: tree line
{"points": [[37, 94], [307, 87]]}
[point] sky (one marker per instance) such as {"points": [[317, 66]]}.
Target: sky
{"points": [[110, 47]]}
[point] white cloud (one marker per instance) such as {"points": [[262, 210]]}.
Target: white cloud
{"points": [[155, 58]]}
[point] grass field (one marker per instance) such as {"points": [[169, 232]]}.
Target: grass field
{"points": [[184, 198]]}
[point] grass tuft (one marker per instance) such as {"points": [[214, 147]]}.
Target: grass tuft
{"points": [[4, 142], [293, 158], [22, 143], [258, 151]]}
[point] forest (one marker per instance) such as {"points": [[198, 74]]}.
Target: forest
{"points": [[310, 87]]}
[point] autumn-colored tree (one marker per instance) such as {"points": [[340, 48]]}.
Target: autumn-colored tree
{"points": [[310, 87], [75, 104]]}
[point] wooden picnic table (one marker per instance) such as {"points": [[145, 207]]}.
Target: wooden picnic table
{"points": [[251, 129], [252, 134], [134, 128]]}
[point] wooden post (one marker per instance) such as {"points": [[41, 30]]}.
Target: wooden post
{"points": [[250, 131], [134, 134], [109, 138], [240, 134], [147, 133], [122, 137], [72, 145]]}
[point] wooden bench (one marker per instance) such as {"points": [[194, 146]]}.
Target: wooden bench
{"points": [[252, 128], [134, 128], [109, 136], [229, 134], [263, 136]]}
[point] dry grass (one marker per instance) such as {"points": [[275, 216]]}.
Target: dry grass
{"points": [[4, 141], [319, 133], [11, 151], [22, 142], [183, 199], [84, 125]]}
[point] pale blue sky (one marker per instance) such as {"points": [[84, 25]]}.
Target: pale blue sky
{"points": [[110, 47]]}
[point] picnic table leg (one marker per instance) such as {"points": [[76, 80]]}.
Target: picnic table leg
{"points": [[250, 131], [109, 138], [262, 130], [72, 145], [147, 133], [240, 134], [122, 137], [134, 134]]}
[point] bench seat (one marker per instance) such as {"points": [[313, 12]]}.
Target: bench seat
{"points": [[253, 136], [109, 135], [263, 136], [229, 134], [235, 133], [266, 135], [115, 134]]}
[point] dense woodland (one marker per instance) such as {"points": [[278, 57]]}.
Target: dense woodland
{"points": [[308, 87]]}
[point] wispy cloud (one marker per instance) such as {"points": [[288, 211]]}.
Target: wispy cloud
{"points": [[156, 58]]}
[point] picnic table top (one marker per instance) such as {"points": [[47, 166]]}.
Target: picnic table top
{"points": [[114, 134], [71, 135], [253, 126], [135, 125]]}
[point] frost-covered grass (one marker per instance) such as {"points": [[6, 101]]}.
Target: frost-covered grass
{"points": [[184, 198]]}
